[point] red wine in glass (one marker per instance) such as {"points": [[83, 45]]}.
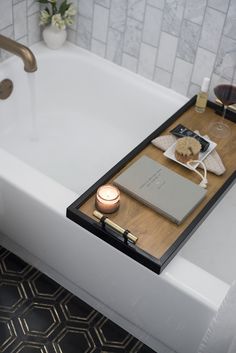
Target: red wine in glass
{"points": [[226, 93]]}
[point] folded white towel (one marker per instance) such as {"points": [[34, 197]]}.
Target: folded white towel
{"points": [[221, 334]]}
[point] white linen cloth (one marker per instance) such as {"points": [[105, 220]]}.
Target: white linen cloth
{"points": [[221, 334], [212, 162]]}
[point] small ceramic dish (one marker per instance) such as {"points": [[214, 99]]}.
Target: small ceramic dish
{"points": [[170, 153]]}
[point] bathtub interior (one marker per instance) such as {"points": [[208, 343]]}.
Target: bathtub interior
{"points": [[86, 114], [213, 246], [74, 141]]}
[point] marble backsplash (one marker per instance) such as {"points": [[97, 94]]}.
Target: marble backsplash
{"points": [[19, 20], [173, 42]]}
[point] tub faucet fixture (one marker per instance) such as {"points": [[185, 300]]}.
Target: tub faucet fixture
{"points": [[30, 64]]}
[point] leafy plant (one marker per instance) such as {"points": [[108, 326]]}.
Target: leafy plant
{"points": [[59, 15]]}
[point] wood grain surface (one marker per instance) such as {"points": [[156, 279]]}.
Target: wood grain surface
{"points": [[155, 232]]}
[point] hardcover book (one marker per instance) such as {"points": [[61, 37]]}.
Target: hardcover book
{"points": [[158, 187]]}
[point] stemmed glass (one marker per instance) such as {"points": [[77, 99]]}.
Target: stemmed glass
{"points": [[225, 91]]}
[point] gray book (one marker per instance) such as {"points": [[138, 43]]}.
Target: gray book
{"points": [[161, 189]]}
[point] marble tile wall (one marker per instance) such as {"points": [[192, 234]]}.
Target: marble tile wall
{"points": [[19, 20], [173, 42]]}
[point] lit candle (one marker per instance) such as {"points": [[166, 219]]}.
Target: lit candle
{"points": [[107, 198]]}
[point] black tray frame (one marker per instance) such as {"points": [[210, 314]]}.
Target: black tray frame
{"points": [[115, 239]]}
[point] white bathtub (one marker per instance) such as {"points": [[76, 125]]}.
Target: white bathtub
{"points": [[90, 113]]}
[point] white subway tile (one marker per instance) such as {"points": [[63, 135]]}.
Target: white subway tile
{"points": [[136, 9], [34, 30], [157, 3], [203, 66], [133, 37], [221, 5], [5, 13], [193, 90], [86, 8], [194, 10], [100, 23], [32, 7], [181, 76], [129, 62], [214, 80], [105, 3], [227, 48], [84, 32], [118, 13], [152, 26], [23, 40], [167, 51], [147, 60], [188, 41], [98, 47], [115, 45], [230, 26], [162, 77], [8, 32], [71, 35], [20, 20], [173, 15], [212, 29]]}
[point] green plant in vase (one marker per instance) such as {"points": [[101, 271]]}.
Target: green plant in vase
{"points": [[56, 17]]}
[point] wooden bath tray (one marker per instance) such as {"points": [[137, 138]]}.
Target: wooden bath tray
{"points": [[159, 239]]}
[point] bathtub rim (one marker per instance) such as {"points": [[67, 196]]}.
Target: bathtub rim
{"points": [[71, 50]]}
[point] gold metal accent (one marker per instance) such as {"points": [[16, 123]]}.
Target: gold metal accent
{"points": [[230, 107], [6, 88], [30, 64], [33, 332], [36, 292], [30, 344], [21, 292], [115, 226], [78, 331], [11, 331], [105, 341], [75, 318], [13, 272]]}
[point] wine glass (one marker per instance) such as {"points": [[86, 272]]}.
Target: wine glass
{"points": [[225, 91]]}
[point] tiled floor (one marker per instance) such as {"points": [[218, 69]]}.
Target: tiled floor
{"points": [[39, 316]]}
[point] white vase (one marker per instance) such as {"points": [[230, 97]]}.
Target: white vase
{"points": [[54, 37]]}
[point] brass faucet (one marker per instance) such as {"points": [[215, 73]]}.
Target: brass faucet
{"points": [[30, 64]]}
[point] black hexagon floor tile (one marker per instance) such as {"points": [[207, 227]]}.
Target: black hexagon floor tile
{"points": [[12, 295], [76, 310], [37, 315], [44, 287], [12, 264]]}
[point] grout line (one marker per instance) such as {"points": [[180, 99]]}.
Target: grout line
{"points": [[108, 30], [195, 58], [179, 37], [158, 43]]}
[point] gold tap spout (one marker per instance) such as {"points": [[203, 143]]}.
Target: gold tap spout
{"points": [[30, 64]]}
